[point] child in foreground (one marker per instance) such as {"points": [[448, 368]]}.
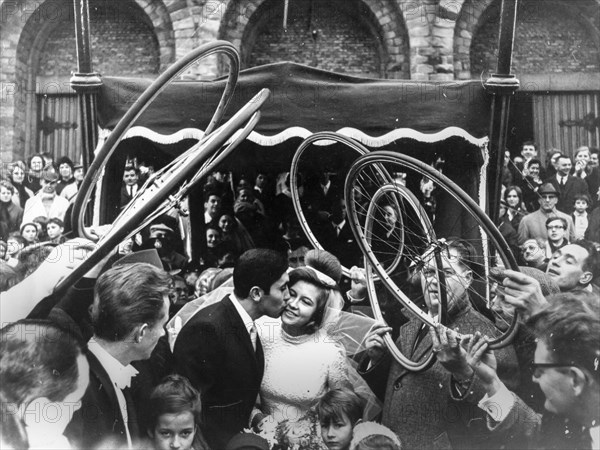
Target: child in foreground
{"points": [[339, 411], [175, 415]]}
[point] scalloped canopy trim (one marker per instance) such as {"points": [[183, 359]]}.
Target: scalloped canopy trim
{"points": [[303, 133]]}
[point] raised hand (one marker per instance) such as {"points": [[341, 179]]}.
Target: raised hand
{"points": [[483, 361], [449, 352], [358, 287], [522, 291], [374, 344]]}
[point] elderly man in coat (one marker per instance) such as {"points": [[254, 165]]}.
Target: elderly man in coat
{"points": [[436, 408]]}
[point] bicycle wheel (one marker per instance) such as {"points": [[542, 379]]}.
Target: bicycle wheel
{"points": [[315, 222], [155, 193], [101, 159], [460, 216], [420, 236]]}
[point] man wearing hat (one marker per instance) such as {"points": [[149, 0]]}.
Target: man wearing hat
{"points": [[46, 202], [533, 226], [567, 185], [162, 237]]}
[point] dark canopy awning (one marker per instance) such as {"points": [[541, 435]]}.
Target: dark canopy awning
{"points": [[422, 119], [312, 99]]}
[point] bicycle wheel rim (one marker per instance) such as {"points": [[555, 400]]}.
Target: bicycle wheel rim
{"points": [[426, 361], [483, 223], [295, 171], [96, 167]]}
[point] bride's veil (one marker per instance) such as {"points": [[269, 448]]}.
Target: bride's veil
{"points": [[350, 330]]}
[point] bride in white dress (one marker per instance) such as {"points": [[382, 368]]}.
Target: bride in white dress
{"points": [[302, 359]]}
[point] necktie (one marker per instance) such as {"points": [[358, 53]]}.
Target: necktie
{"points": [[253, 336], [562, 181], [129, 190]]}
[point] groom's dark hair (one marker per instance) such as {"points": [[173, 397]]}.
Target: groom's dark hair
{"points": [[257, 267]]}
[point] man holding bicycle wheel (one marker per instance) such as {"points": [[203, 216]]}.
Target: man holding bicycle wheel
{"points": [[432, 408]]}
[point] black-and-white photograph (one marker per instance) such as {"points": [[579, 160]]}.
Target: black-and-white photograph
{"points": [[299, 224]]}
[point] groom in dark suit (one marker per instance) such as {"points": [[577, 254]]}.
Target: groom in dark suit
{"points": [[218, 349]]}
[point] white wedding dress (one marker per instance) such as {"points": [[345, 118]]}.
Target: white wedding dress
{"points": [[298, 371]]}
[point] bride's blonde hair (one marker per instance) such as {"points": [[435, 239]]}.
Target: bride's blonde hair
{"points": [[324, 271], [325, 262]]}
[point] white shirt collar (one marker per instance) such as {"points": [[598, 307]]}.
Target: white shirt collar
{"points": [[119, 374], [341, 224], [248, 322]]}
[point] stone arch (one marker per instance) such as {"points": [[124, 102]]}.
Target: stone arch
{"points": [[196, 22], [430, 25], [383, 20], [38, 22], [160, 18], [466, 25]]}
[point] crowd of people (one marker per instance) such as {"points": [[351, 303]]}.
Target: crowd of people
{"points": [[261, 343], [545, 208], [34, 203]]}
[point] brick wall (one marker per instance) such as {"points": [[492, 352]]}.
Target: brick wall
{"points": [[124, 47], [341, 43], [417, 39], [549, 38], [367, 37]]}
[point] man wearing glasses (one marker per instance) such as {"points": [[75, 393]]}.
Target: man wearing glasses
{"points": [[533, 252], [567, 369], [434, 408], [533, 226], [557, 234]]}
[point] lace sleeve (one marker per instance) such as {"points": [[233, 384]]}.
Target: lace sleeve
{"points": [[337, 374]]}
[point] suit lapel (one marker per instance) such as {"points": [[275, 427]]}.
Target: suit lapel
{"points": [[105, 384], [241, 332], [423, 345]]}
